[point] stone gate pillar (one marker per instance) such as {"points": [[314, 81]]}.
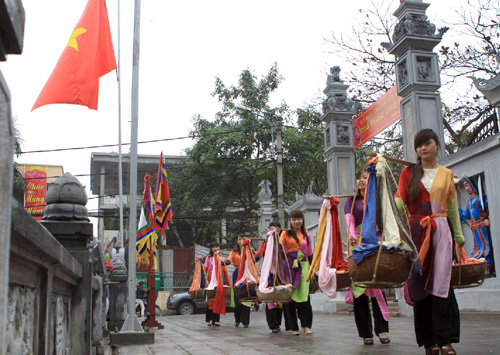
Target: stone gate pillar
{"points": [[338, 110], [66, 218], [417, 73]]}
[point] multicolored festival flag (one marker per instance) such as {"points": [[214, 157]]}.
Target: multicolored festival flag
{"points": [[87, 56], [380, 115], [163, 205], [146, 234]]}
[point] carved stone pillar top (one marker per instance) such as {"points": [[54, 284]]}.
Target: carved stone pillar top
{"points": [[337, 102], [65, 215], [66, 199], [413, 30], [265, 194]]}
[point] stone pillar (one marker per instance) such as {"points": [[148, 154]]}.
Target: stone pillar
{"points": [[6, 157], [118, 293], [267, 209], [338, 110], [417, 73], [11, 42], [66, 218]]}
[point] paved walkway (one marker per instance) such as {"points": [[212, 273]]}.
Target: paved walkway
{"points": [[333, 334]]}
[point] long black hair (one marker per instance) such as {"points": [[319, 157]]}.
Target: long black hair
{"points": [[212, 245], [275, 224], [292, 233], [421, 137], [237, 248], [359, 175]]}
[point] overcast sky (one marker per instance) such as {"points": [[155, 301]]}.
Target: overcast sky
{"points": [[184, 46]]}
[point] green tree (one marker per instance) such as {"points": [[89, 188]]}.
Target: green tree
{"points": [[234, 152], [304, 155]]}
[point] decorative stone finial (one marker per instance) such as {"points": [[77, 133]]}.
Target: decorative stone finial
{"points": [[265, 194], [334, 75], [66, 199]]}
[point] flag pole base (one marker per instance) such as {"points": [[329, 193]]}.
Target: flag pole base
{"points": [[151, 322]]}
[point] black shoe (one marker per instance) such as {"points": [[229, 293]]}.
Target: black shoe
{"points": [[216, 324], [385, 340], [275, 330], [245, 326], [236, 324]]}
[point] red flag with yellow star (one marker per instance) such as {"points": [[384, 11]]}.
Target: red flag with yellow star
{"points": [[87, 56]]}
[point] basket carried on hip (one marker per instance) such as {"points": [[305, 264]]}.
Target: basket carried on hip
{"points": [[198, 284], [197, 295], [282, 293], [468, 272], [382, 270], [211, 293], [247, 292], [468, 275], [384, 256], [343, 280]]}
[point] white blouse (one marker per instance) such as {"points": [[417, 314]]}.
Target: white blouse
{"points": [[428, 178]]}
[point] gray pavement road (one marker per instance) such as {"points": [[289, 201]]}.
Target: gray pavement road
{"points": [[333, 334]]}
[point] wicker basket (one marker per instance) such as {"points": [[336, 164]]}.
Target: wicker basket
{"points": [[313, 286], [211, 293], [248, 291], [471, 275], [281, 294], [393, 270], [197, 295], [343, 280]]}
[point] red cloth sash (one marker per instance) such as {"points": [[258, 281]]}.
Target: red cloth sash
{"points": [[428, 225]]}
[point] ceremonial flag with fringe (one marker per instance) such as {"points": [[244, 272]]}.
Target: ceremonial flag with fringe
{"points": [[163, 205], [87, 56], [146, 234]]}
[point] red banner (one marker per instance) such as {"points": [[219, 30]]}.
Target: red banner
{"points": [[35, 190], [380, 115]]}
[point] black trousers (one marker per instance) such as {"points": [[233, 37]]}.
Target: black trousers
{"points": [[363, 317], [242, 314], [301, 309], [437, 320], [211, 316], [273, 317]]}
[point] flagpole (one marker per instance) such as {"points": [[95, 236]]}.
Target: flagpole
{"points": [[120, 169], [132, 323]]}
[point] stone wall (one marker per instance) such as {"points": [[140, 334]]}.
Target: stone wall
{"points": [[482, 157], [42, 278]]}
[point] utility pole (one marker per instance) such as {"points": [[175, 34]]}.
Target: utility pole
{"points": [[279, 163]]}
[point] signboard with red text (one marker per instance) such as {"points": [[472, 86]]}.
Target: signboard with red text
{"points": [[380, 115], [36, 179]]}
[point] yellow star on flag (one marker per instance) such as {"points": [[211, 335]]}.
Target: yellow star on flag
{"points": [[72, 40]]}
